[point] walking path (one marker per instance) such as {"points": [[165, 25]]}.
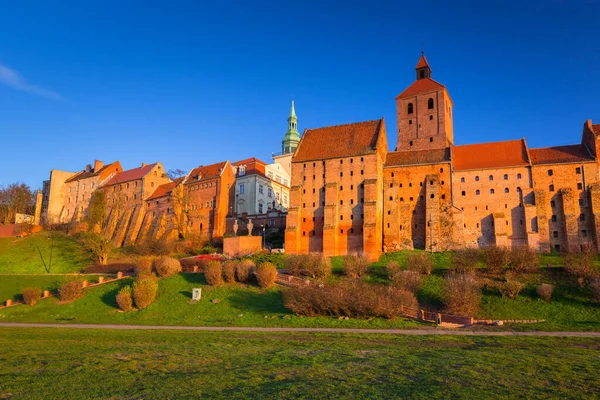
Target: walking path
{"points": [[418, 332]]}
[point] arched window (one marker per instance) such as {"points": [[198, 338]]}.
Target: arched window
{"points": [[518, 176], [491, 191], [506, 190], [410, 108], [505, 177], [463, 193], [477, 192], [518, 190], [476, 179], [491, 177], [430, 103]]}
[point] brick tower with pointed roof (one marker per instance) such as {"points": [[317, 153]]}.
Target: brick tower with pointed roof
{"points": [[424, 113]]}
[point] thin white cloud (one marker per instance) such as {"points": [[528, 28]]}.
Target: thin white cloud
{"points": [[13, 79]]}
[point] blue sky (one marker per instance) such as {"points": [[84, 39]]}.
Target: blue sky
{"points": [[190, 83]]}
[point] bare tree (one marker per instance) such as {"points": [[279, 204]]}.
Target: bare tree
{"points": [[97, 239], [16, 198], [175, 173]]}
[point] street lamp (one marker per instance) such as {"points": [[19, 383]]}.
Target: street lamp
{"points": [[264, 227]]}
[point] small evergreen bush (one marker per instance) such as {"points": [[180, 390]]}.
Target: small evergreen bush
{"points": [[229, 268], [243, 270], [545, 291], [166, 266]]}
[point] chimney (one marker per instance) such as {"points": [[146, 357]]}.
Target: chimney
{"points": [[97, 165], [88, 168], [144, 164]]}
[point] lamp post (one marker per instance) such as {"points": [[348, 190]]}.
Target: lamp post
{"points": [[264, 227]]}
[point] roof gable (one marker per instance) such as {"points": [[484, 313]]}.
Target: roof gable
{"points": [[165, 189], [206, 171], [88, 174], [339, 141], [421, 86], [510, 153]]}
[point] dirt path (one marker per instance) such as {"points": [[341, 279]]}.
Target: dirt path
{"points": [[418, 332]]}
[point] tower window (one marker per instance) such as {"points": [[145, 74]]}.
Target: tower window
{"points": [[410, 121], [411, 143], [550, 172], [518, 176], [462, 180], [430, 140], [477, 192], [431, 117], [578, 170], [463, 193], [505, 177], [491, 177], [551, 188], [430, 103], [579, 185], [410, 108], [491, 191], [476, 179], [506, 190]]}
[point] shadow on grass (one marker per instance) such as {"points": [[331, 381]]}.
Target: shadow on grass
{"points": [[196, 278], [259, 302], [110, 298], [186, 293]]}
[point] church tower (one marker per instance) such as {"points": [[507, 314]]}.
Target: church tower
{"points": [[424, 113], [292, 137]]}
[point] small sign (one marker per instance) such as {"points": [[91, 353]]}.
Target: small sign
{"points": [[196, 294]]}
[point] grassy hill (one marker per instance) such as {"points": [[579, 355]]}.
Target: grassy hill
{"points": [[21, 255]]}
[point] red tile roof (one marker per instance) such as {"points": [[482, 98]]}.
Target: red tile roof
{"points": [[511, 153], [87, 174], [417, 157], [206, 171], [422, 62], [130, 175], [421, 86], [560, 154], [165, 189], [339, 141], [249, 161], [596, 129]]}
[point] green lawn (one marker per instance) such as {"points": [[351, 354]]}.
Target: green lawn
{"points": [[110, 364], [238, 306], [11, 287], [21, 256]]}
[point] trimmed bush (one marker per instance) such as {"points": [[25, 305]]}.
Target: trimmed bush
{"points": [[511, 288], [409, 280], [213, 273], [144, 291], [495, 258], [229, 268], [144, 266], [392, 268], [461, 294], [31, 295], [243, 270], [355, 265], [580, 265], [70, 291], [420, 262], [545, 291], [348, 298], [294, 263], [464, 261], [125, 299], [524, 260], [266, 274], [313, 265], [166, 266]]}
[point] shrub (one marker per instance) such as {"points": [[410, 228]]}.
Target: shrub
{"points": [[523, 260], [144, 291], [545, 291], [355, 265], [70, 291], [144, 266], [125, 299], [213, 273], [511, 288], [409, 280], [208, 250], [461, 294], [595, 286], [112, 268], [464, 261], [294, 263], [166, 266], [392, 268], [266, 274], [243, 270], [318, 266], [495, 258], [156, 247], [580, 265], [348, 298], [229, 268], [420, 262], [31, 295]]}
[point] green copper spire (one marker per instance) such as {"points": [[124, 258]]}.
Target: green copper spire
{"points": [[292, 137]]}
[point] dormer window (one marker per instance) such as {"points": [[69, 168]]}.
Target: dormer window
{"points": [[242, 170]]}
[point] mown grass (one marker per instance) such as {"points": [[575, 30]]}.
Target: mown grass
{"points": [[21, 256], [238, 306], [11, 287], [110, 364]]}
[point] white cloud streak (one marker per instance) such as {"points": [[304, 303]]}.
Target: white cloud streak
{"points": [[13, 79]]}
